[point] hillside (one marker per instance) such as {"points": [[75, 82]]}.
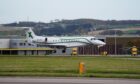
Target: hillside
{"points": [[119, 31], [80, 26]]}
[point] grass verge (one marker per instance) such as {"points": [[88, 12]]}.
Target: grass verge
{"points": [[107, 67]]}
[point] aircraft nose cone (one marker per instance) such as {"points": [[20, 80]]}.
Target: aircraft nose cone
{"points": [[103, 43], [100, 43]]}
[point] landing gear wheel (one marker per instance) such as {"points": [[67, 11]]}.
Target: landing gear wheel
{"points": [[63, 51]]}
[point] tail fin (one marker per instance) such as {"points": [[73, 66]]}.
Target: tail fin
{"points": [[30, 34]]}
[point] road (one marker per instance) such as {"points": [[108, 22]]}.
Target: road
{"points": [[42, 80]]}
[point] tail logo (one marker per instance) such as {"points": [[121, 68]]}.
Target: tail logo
{"points": [[30, 35]]}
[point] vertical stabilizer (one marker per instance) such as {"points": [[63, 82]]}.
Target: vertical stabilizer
{"points": [[30, 34]]}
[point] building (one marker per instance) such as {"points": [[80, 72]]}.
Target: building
{"points": [[21, 47], [115, 45]]}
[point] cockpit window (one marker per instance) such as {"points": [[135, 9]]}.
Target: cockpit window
{"points": [[93, 38]]}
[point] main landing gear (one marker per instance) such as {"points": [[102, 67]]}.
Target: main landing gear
{"points": [[64, 50]]}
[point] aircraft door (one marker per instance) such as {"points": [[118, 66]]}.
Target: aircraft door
{"points": [[46, 40]]}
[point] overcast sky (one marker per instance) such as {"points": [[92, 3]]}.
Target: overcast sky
{"points": [[46, 10]]}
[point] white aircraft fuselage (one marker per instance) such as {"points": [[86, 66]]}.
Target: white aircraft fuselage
{"points": [[67, 41]]}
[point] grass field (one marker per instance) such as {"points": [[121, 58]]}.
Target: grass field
{"points": [[108, 67]]}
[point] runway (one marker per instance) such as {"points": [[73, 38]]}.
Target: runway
{"points": [[42, 80]]}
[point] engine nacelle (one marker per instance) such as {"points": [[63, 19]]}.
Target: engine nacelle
{"points": [[31, 42]]}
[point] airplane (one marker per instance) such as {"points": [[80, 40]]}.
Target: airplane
{"points": [[62, 42]]}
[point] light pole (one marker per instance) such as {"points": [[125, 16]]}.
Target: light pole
{"points": [[115, 44]]}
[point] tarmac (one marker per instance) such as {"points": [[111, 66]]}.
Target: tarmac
{"points": [[67, 80]]}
